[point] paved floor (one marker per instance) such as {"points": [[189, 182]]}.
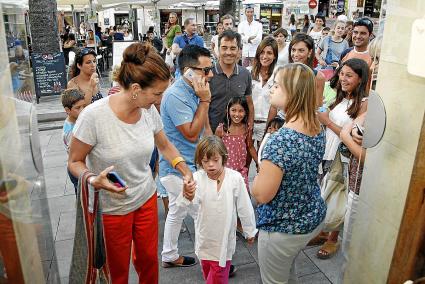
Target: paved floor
{"points": [[61, 200]]}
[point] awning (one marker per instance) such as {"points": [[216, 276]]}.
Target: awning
{"points": [[72, 2]]}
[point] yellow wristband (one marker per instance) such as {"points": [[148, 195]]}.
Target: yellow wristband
{"points": [[176, 160]]}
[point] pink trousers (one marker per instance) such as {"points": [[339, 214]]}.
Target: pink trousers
{"points": [[213, 273]]}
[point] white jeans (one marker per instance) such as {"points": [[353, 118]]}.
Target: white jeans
{"points": [[277, 253], [258, 132], [174, 186], [350, 217]]}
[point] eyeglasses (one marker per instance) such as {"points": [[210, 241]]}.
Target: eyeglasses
{"points": [[205, 69]]}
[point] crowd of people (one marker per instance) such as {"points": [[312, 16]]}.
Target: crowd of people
{"points": [[294, 109]]}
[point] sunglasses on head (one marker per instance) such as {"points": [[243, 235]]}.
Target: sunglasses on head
{"points": [[205, 69], [364, 22], [86, 51]]}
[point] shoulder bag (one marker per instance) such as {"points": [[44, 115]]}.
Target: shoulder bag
{"points": [[335, 194]]}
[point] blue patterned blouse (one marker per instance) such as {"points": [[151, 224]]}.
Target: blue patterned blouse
{"points": [[297, 207]]}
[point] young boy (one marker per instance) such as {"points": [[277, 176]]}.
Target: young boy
{"points": [[325, 32], [73, 103]]}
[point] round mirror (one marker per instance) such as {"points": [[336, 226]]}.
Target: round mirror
{"points": [[376, 120]]}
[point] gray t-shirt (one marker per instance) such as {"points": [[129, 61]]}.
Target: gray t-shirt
{"points": [[128, 147], [224, 88], [336, 48]]}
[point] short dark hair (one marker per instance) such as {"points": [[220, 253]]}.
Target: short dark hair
{"points": [[320, 16], [188, 20], [231, 35], [70, 97], [280, 31], [249, 6], [365, 22], [189, 56], [227, 17], [276, 122]]}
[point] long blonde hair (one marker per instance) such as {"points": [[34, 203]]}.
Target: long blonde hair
{"points": [[299, 82]]}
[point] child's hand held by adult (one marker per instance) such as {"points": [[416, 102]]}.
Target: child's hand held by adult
{"points": [[189, 188], [250, 241]]}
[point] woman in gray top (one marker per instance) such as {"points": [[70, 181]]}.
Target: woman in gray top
{"points": [[119, 132]]}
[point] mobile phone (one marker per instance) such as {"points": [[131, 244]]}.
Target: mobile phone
{"points": [[360, 129], [7, 184], [116, 179], [190, 75]]}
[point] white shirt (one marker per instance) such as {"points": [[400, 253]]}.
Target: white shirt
{"points": [[129, 37], [340, 117], [316, 36], [214, 39], [262, 145], [261, 97], [215, 225], [283, 58], [247, 30]]}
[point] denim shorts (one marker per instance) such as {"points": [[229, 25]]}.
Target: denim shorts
{"points": [[160, 189]]}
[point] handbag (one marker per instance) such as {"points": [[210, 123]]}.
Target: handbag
{"points": [[335, 194], [88, 264]]}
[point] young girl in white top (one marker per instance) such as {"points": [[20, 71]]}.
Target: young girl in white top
{"points": [[316, 31], [274, 125], [350, 103], [218, 192]]}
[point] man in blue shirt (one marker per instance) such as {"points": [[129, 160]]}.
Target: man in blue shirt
{"points": [[184, 113], [188, 37]]}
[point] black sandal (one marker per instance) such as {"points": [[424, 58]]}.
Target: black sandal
{"points": [[187, 262]]}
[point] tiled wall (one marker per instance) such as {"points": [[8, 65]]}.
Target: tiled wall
{"points": [[388, 166]]}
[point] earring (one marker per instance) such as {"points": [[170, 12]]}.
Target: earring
{"points": [[134, 96]]}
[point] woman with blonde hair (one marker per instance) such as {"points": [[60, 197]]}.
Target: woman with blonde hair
{"points": [[291, 210]]}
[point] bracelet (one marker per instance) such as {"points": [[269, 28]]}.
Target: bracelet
{"points": [[176, 161], [205, 101]]}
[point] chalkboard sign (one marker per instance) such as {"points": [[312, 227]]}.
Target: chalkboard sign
{"points": [[49, 74]]}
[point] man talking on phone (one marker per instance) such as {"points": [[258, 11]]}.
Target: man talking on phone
{"points": [[184, 113]]}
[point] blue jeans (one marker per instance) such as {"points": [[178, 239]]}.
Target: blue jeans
{"points": [[74, 181]]}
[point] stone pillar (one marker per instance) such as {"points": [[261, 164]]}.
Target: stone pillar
{"points": [[388, 166]]}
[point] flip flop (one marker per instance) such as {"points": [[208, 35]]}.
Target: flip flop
{"points": [[328, 250]]}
